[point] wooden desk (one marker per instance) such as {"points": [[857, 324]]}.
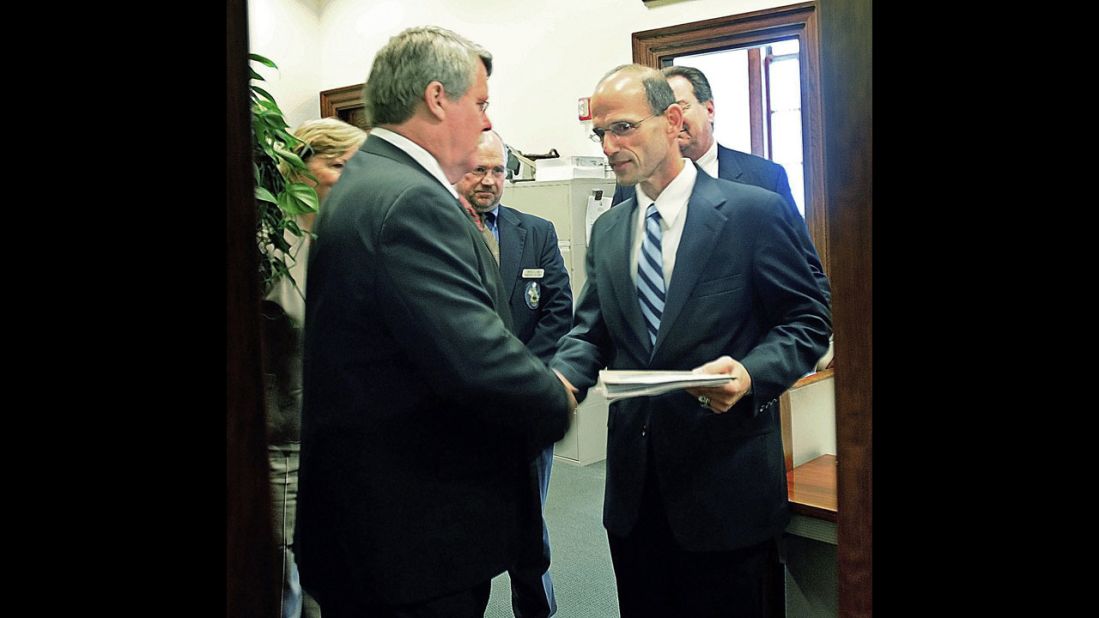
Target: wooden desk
{"points": [[811, 489]]}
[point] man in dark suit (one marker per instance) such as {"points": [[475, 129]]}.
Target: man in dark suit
{"points": [[422, 411], [536, 283], [697, 143], [691, 272]]}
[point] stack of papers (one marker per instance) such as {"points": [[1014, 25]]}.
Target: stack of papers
{"points": [[616, 385]]}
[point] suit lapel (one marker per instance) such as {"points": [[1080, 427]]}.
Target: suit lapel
{"points": [[727, 165], [513, 237], [620, 238], [700, 231]]}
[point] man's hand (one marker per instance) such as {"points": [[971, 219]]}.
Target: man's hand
{"points": [[570, 390], [721, 398]]}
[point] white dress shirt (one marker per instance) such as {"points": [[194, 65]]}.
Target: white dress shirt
{"points": [[672, 206], [708, 161], [417, 152]]}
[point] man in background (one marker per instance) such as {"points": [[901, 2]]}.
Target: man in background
{"points": [[422, 411], [536, 284]]}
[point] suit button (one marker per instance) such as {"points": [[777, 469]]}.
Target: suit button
{"points": [[644, 430]]}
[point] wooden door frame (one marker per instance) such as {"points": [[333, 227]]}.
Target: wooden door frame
{"points": [[836, 76], [336, 100]]}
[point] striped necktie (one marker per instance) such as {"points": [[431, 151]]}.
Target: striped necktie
{"points": [[650, 274]]}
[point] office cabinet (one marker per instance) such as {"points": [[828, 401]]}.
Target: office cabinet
{"points": [[565, 204]]}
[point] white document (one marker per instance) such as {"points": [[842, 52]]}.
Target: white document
{"points": [[595, 208], [616, 385]]}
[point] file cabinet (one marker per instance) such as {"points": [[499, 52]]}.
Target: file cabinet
{"points": [[565, 204]]}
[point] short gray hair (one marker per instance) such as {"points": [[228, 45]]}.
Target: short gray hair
{"points": [[413, 59], [657, 91]]}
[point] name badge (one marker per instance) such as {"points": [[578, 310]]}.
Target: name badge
{"points": [[534, 273], [532, 295]]}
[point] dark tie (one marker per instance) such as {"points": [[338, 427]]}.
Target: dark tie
{"points": [[486, 233], [650, 273], [487, 219]]}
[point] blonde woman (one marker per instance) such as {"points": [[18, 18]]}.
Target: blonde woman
{"points": [[327, 145]]}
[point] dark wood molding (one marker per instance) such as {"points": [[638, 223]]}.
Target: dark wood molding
{"points": [[336, 99], [251, 578], [729, 32], [345, 103], [651, 47], [846, 68]]}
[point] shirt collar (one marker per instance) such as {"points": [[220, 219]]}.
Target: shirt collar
{"points": [[708, 161], [673, 199], [417, 152]]}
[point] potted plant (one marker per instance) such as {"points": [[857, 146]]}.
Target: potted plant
{"points": [[280, 196]]}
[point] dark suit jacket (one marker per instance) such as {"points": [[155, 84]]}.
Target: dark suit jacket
{"points": [[740, 287], [757, 171], [421, 410], [530, 242]]}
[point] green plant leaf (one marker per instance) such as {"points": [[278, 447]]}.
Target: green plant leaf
{"points": [[298, 199], [262, 60], [275, 122], [268, 108], [263, 194], [278, 201], [292, 159], [263, 92]]}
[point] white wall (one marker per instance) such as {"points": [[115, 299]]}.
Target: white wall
{"points": [[813, 420], [546, 54], [288, 32]]}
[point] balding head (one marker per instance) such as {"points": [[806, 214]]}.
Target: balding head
{"points": [[483, 186], [634, 109]]}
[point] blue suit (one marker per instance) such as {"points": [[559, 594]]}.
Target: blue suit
{"points": [[741, 287], [752, 170], [541, 310]]}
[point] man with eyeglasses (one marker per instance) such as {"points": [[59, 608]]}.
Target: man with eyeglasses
{"points": [[536, 284], [697, 143], [422, 411], [690, 273]]}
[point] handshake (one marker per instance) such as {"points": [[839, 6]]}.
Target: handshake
{"points": [[570, 390]]}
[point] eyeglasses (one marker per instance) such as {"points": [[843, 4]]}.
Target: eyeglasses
{"points": [[483, 105], [498, 172], [621, 128], [685, 105]]}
